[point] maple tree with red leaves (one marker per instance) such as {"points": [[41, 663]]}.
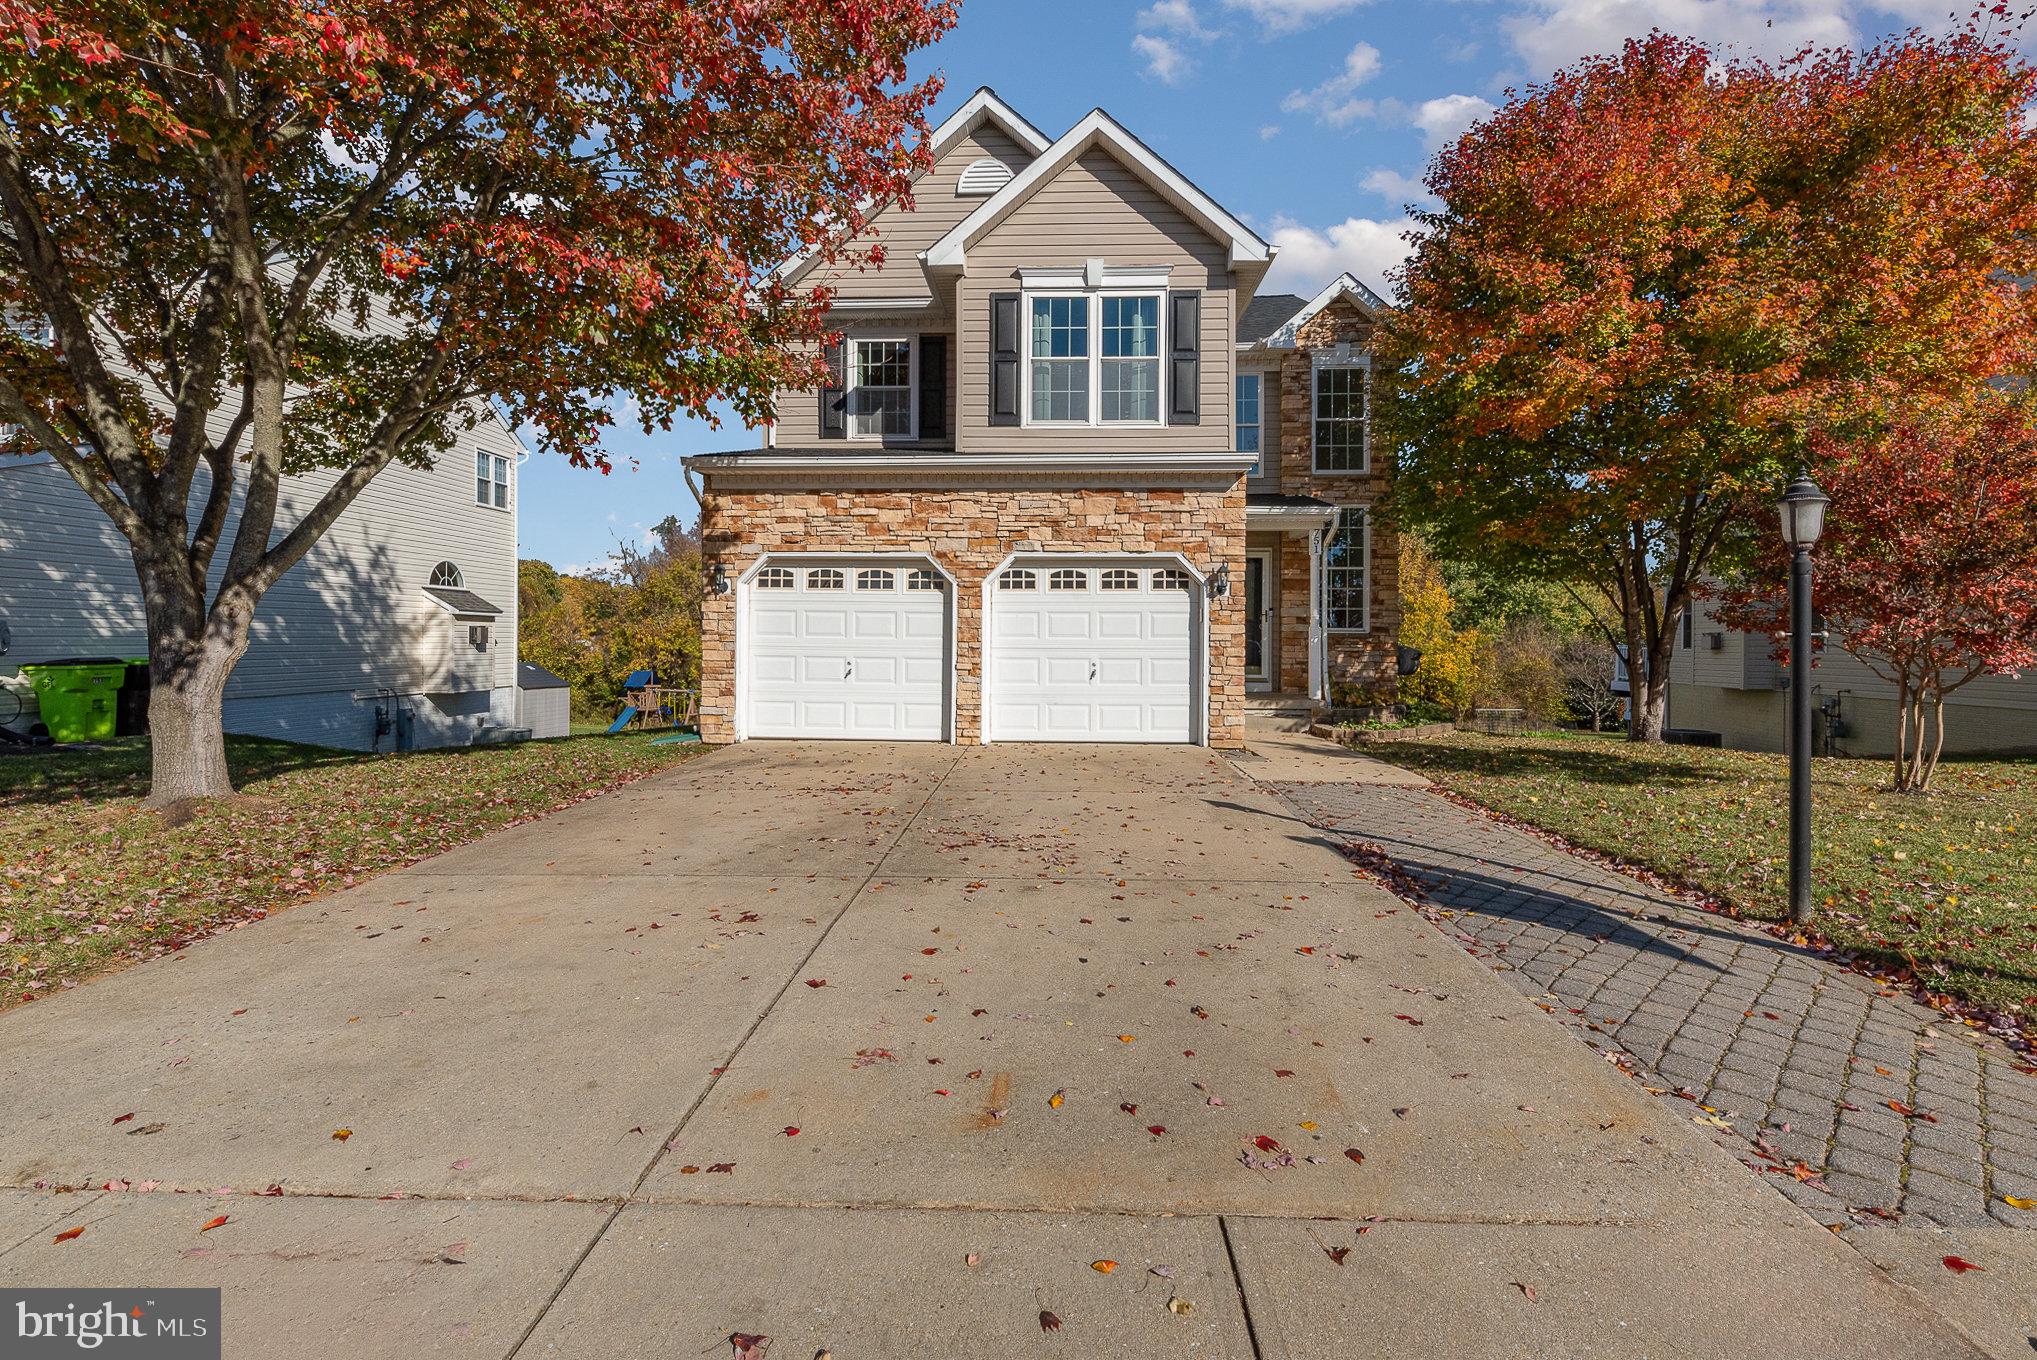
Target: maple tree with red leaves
{"points": [[268, 238], [1654, 277], [1927, 572]]}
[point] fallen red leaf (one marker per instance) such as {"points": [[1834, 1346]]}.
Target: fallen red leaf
{"points": [[1337, 1254], [1048, 1322], [748, 1347], [790, 1130], [816, 982], [1129, 1109], [69, 1233], [1355, 1155], [1959, 1265], [1527, 1290], [1156, 1129], [122, 1119], [723, 1167], [1282, 1072], [1265, 1144], [212, 1223]]}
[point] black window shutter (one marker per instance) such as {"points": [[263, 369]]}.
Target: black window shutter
{"points": [[933, 387], [1184, 331], [1004, 358], [833, 402]]}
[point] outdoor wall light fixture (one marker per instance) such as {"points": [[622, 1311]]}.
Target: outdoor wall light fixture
{"points": [[1802, 511], [1220, 583], [720, 580]]}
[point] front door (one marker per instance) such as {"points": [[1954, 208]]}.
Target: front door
{"points": [[1258, 621]]}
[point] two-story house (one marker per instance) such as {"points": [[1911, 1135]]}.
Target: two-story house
{"points": [[1069, 480]]}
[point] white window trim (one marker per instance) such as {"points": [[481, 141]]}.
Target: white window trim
{"points": [[1365, 569], [1258, 381], [849, 344], [1364, 469], [1096, 296], [507, 466]]}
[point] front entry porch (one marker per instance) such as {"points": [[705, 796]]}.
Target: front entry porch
{"points": [[1286, 643]]}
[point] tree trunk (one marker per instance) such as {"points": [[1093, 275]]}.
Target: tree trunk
{"points": [[192, 651]]}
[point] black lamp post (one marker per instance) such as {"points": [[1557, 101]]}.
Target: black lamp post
{"points": [[1803, 518]]}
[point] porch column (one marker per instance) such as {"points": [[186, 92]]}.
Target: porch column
{"points": [[1318, 657]]}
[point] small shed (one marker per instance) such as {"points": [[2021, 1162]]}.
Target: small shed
{"points": [[544, 701]]}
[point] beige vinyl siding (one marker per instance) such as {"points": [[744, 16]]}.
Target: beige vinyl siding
{"points": [[1269, 425], [1096, 208], [936, 209]]}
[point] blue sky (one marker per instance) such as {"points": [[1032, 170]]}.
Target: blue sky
{"points": [[1311, 119]]}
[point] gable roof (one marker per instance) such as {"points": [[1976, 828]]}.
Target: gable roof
{"points": [[1369, 303], [1098, 128], [1266, 314], [982, 107]]}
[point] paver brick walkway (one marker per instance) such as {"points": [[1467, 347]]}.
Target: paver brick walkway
{"points": [[1802, 1057]]}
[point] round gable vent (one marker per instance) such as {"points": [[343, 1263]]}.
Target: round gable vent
{"points": [[983, 178]]}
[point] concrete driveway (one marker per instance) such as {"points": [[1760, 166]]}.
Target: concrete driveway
{"points": [[879, 1049]]}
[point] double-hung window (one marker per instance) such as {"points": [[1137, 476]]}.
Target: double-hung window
{"points": [[1093, 359], [1060, 351], [1339, 418], [1131, 360], [1248, 418], [1347, 572], [491, 479], [880, 374]]}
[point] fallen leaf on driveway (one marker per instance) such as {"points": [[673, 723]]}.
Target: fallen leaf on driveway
{"points": [[122, 1119], [70, 1234], [1048, 1322], [1355, 1155], [1265, 1144], [1959, 1265], [790, 1130], [1103, 1267], [2018, 1202], [1337, 1254], [1180, 1307], [341, 1135], [816, 982], [1156, 1129], [972, 1258], [1527, 1290], [1055, 1101], [748, 1347], [212, 1223]]}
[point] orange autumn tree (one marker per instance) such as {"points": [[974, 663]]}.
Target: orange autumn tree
{"points": [[556, 207], [1652, 277], [1927, 573]]}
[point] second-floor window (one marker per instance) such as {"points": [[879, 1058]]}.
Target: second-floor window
{"points": [[491, 479], [1248, 418], [1093, 359], [880, 389], [1339, 418]]}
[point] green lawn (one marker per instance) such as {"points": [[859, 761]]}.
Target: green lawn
{"points": [[89, 879], [1946, 884]]}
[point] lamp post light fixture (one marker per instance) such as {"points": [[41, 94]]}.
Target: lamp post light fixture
{"points": [[1802, 510]]}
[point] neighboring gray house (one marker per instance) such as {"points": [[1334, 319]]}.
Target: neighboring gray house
{"points": [[1725, 681], [397, 630]]}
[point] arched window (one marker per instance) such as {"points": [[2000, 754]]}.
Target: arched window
{"points": [[1017, 579], [1171, 578], [775, 578], [876, 579], [825, 578], [921, 578], [1120, 578], [1068, 578], [447, 575]]}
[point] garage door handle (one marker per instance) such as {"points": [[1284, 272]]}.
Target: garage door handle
{"points": [[849, 669], [1092, 672]]}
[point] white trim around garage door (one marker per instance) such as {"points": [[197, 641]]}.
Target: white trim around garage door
{"points": [[745, 587], [1046, 561]]}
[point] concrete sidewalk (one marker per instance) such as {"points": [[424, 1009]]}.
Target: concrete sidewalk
{"points": [[882, 1049]]}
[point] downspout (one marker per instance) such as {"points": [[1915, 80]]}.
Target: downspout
{"points": [[1318, 658]]}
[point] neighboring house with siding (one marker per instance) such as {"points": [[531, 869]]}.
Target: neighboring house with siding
{"points": [[1726, 681], [397, 629], [1070, 478]]}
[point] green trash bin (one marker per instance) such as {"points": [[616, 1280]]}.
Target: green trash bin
{"points": [[79, 699]]}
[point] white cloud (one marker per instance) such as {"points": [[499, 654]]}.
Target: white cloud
{"points": [[1336, 100], [1397, 188], [1552, 33], [1361, 246], [1175, 16], [1164, 61], [1442, 120], [1269, 132], [1285, 16]]}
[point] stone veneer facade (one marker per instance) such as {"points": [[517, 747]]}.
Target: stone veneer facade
{"points": [[1362, 662], [969, 532]]}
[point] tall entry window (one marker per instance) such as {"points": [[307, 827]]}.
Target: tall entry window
{"points": [[1347, 572]]}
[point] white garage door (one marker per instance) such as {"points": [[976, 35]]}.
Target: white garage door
{"points": [[1096, 652], [847, 651]]}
